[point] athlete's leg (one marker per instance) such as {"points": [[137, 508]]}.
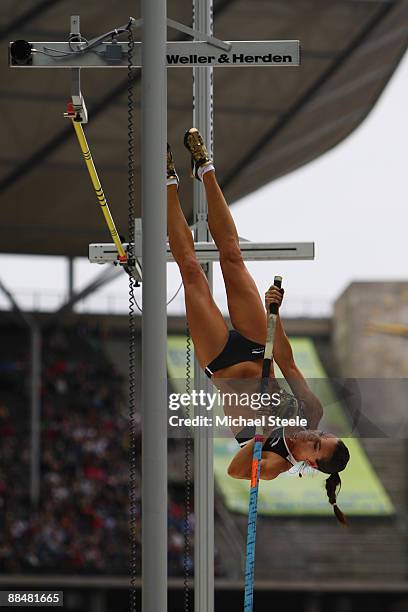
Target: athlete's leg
{"points": [[245, 306], [208, 329]]}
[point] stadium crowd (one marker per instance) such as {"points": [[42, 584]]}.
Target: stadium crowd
{"points": [[81, 522]]}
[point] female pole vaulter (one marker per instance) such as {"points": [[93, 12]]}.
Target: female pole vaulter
{"points": [[237, 354]]}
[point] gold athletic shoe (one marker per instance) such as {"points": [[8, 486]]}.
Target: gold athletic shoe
{"points": [[193, 141], [171, 166]]}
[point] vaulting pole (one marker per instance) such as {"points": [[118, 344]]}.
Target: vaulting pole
{"points": [[154, 328], [256, 460], [203, 442]]}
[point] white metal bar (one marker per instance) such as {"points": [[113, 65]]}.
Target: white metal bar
{"points": [[203, 436], [35, 398], [259, 251], [207, 251], [177, 54], [154, 320]]}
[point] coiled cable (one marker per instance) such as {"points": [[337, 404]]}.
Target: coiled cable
{"points": [[140, 309], [187, 488], [132, 332]]}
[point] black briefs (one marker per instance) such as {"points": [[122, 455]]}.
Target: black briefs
{"points": [[237, 349]]}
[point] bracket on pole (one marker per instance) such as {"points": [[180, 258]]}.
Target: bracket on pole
{"points": [[215, 42], [24, 54], [206, 252], [78, 102]]}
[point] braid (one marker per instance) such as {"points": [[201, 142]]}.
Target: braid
{"points": [[332, 482], [333, 466]]}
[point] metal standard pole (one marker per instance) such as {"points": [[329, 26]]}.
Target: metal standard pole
{"points": [[35, 384], [70, 283], [154, 329], [35, 395], [203, 442]]}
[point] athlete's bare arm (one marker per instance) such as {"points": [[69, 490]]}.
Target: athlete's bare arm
{"points": [[283, 355], [271, 464], [311, 404]]}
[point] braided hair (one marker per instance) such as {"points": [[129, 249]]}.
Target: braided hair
{"points": [[333, 466]]}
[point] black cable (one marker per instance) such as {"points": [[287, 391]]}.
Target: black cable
{"points": [[140, 309], [85, 44], [132, 335], [187, 487]]}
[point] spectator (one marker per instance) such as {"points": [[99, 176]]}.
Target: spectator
{"points": [[82, 520]]}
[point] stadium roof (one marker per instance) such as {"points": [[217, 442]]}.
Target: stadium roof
{"points": [[268, 121]]}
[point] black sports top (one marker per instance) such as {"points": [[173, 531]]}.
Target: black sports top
{"points": [[276, 443]]}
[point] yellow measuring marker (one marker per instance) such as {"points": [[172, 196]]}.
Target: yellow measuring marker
{"points": [[71, 114]]}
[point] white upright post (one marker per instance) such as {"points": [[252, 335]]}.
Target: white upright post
{"points": [[203, 442], [154, 327], [35, 395]]}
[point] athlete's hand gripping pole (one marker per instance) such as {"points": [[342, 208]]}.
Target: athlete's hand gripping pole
{"points": [[270, 338], [122, 257], [256, 460]]}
